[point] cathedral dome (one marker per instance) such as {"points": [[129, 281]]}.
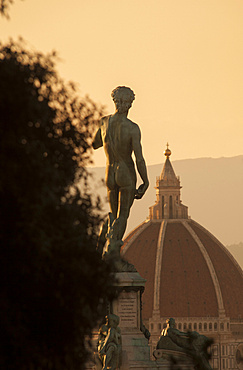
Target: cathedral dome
{"points": [[189, 272]]}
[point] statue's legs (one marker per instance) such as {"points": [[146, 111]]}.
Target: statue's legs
{"points": [[112, 190], [110, 359], [126, 198], [113, 200], [121, 191]]}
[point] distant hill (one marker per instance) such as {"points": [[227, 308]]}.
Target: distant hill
{"points": [[237, 251], [211, 188]]}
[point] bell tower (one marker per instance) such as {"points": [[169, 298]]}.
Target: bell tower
{"points": [[168, 203]]}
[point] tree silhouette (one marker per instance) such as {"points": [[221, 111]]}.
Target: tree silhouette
{"points": [[53, 283], [4, 7]]}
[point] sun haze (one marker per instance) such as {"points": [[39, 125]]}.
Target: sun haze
{"points": [[182, 59]]}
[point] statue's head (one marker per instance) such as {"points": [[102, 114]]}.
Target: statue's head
{"points": [[171, 322], [112, 320], [123, 97]]}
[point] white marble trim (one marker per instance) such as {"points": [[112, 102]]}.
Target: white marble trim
{"points": [[141, 228], [158, 265], [209, 264]]}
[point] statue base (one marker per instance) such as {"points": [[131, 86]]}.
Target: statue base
{"points": [[135, 348], [174, 358], [128, 307]]}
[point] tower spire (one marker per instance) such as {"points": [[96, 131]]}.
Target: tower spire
{"points": [[168, 203], [168, 175]]}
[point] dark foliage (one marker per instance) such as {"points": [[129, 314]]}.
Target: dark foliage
{"points": [[53, 282], [4, 7]]}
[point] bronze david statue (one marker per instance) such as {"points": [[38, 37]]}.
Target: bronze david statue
{"points": [[120, 138]]}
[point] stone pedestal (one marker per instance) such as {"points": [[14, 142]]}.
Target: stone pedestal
{"points": [[127, 306], [135, 348], [173, 358]]}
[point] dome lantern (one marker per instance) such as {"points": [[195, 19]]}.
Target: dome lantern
{"points": [[168, 203]]}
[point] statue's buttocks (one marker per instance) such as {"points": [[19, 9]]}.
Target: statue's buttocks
{"points": [[117, 140]]}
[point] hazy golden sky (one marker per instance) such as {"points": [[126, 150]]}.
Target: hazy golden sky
{"points": [[182, 58]]}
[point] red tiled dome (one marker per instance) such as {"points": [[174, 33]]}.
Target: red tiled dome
{"points": [[189, 272]]}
